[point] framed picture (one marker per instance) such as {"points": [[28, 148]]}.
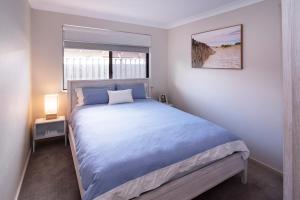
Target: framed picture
{"points": [[218, 49], [163, 98]]}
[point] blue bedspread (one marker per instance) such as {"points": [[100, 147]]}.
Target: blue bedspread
{"points": [[118, 143]]}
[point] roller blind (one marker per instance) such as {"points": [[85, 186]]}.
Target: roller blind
{"points": [[94, 38], [108, 47]]}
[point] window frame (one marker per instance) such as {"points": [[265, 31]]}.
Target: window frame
{"points": [[110, 69]]}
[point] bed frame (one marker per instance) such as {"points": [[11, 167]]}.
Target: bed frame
{"points": [[184, 188]]}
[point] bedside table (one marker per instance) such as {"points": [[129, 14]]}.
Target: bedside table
{"points": [[169, 104], [43, 129]]}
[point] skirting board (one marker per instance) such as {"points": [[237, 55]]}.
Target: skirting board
{"points": [[266, 166], [22, 175]]}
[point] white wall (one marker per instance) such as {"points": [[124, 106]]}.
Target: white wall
{"points": [[46, 41], [248, 102], [14, 93]]}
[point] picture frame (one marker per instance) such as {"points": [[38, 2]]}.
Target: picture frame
{"points": [[163, 98], [218, 49]]}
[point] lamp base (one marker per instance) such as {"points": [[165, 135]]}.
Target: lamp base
{"points": [[51, 116]]}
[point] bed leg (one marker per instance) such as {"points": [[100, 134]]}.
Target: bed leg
{"points": [[244, 174]]}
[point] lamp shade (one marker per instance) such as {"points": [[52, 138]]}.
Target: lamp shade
{"points": [[51, 105]]}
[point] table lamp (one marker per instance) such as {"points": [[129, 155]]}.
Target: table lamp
{"points": [[51, 106]]}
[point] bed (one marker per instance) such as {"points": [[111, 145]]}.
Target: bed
{"points": [[148, 150]]}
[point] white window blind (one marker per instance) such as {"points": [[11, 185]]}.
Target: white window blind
{"points": [[102, 36]]}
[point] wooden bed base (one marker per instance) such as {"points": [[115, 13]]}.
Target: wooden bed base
{"points": [[75, 160], [188, 186]]}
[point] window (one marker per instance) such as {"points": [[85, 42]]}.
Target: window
{"points": [[84, 64], [96, 54], [128, 65]]}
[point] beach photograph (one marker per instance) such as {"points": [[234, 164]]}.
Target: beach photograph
{"points": [[219, 49]]}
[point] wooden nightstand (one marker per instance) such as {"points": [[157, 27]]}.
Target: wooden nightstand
{"points": [[43, 129], [169, 104]]}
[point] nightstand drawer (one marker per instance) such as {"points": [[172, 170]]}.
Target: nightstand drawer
{"points": [[48, 130]]}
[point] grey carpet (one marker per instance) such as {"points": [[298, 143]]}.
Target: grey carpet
{"points": [[51, 176]]}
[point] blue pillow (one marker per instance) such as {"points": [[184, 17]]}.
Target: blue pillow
{"points": [[138, 89], [96, 95]]}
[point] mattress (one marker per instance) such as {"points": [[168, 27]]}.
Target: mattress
{"points": [[125, 150]]}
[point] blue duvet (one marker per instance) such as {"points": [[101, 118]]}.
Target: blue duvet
{"points": [[118, 143]]}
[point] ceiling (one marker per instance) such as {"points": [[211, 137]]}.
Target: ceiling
{"points": [[158, 13]]}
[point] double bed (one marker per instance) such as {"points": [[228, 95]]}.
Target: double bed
{"points": [[148, 150]]}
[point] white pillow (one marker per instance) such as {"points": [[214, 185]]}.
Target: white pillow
{"points": [[79, 96], [120, 96]]}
